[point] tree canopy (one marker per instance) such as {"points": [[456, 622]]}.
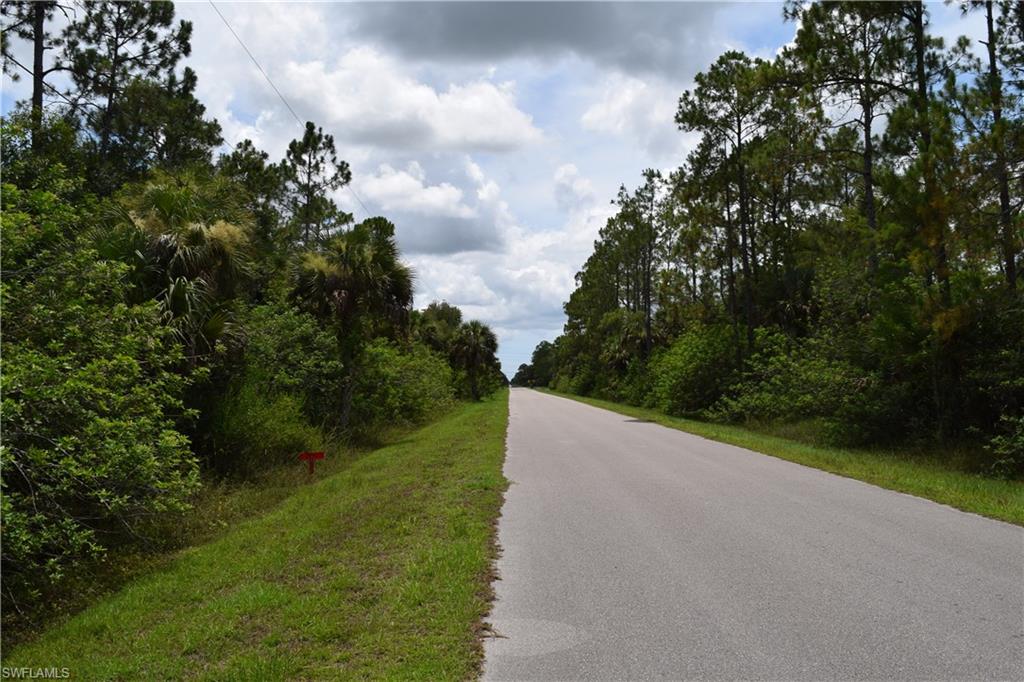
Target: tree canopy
{"points": [[840, 247]]}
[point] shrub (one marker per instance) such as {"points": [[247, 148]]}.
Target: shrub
{"points": [[253, 429], [1007, 448], [690, 375], [397, 386], [635, 387], [287, 352], [90, 397], [790, 380]]}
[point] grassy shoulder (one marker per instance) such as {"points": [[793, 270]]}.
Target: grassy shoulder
{"points": [[905, 472], [220, 505], [381, 570]]}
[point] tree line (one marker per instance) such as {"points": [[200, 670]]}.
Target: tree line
{"points": [[841, 249], [175, 313]]}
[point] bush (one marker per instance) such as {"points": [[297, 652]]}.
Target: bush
{"points": [[280, 397], [690, 375], [91, 391], [253, 429], [635, 387], [790, 380], [1007, 448], [288, 353], [396, 386]]}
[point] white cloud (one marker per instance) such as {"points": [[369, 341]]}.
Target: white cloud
{"points": [[571, 190], [371, 99], [522, 285], [395, 190], [643, 110]]}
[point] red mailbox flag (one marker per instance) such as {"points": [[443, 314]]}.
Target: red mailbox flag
{"points": [[311, 458]]}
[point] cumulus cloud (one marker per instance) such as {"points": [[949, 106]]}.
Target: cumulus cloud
{"points": [[523, 285], [571, 190], [468, 215], [643, 110], [370, 98], [395, 190]]}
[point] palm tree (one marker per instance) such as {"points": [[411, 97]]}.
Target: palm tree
{"points": [[189, 243], [356, 282], [474, 348], [196, 229]]}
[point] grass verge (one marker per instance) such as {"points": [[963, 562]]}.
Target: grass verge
{"points": [[906, 472], [221, 504], [381, 570]]}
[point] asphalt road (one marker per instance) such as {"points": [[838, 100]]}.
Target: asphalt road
{"points": [[634, 551]]}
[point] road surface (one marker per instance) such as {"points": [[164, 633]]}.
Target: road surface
{"points": [[634, 551]]}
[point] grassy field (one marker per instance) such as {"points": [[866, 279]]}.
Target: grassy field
{"points": [[908, 473], [381, 570]]}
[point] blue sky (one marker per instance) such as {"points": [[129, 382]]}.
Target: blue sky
{"points": [[493, 135]]}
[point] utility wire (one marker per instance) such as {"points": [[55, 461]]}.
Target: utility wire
{"points": [[282, 97], [73, 103]]}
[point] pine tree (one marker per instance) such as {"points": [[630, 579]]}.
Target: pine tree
{"points": [[313, 171]]}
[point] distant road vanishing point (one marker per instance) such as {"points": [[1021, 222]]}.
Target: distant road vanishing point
{"points": [[634, 551]]}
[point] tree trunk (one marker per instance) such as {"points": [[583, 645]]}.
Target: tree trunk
{"points": [[347, 392], [348, 352], [648, 274], [867, 105], [932, 227], [1002, 175], [945, 373], [107, 120], [868, 172], [730, 247], [38, 47], [748, 293]]}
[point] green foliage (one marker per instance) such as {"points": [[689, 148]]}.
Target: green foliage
{"points": [[691, 374], [859, 277], [356, 284], [91, 402], [793, 380], [188, 244], [1007, 448], [288, 353], [148, 329], [162, 124], [122, 58], [313, 171], [437, 326], [253, 429], [398, 386], [48, 157], [262, 184], [473, 351]]}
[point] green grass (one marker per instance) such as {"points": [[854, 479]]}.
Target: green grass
{"points": [[903, 471], [379, 571], [221, 504]]}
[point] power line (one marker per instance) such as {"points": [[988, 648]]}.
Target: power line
{"points": [[282, 97], [254, 61], [73, 104]]}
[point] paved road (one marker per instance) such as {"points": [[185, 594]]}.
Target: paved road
{"points": [[633, 551]]}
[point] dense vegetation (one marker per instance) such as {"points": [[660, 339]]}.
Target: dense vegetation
{"points": [[841, 250], [174, 315], [378, 571]]}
